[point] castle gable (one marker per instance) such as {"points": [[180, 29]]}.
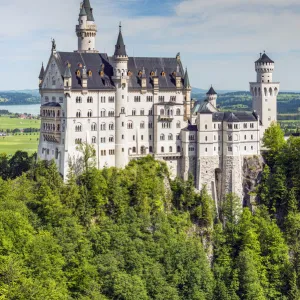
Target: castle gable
{"points": [[52, 77]]}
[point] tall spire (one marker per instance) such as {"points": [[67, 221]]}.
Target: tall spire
{"points": [[42, 72], [89, 10], [67, 73], [82, 11], [186, 80], [120, 49]]}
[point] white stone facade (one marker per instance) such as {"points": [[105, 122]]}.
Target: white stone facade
{"points": [[128, 111]]}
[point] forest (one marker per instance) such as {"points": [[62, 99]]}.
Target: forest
{"points": [[19, 98], [135, 234]]}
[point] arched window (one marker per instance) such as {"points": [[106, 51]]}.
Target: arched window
{"points": [[134, 149], [162, 112], [89, 114], [90, 100], [111, 126], [103, 113], [162, 137], [150, 149], [275, 91], [266, 92], [143, 150], [259, 91], [162, 149], [94, 127], [78, 99], [178, 149], [103, 126], [78, 114], [129, 125], [170, 137], [111, 139], [78, 127], [142, 125], [178, 124], [122, 110], [177, 112], [93, 140], [270, 91], [111, 113], [170, 149]]}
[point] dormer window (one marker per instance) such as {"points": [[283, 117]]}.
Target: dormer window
{"points": [[101, 73], [79, 65], [163, 73], [78, 73], [90, 73], [140, 73], [152, 73]]}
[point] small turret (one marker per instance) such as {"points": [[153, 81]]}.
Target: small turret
{"points": [[120, 49], [186, 81], [41, 76], [67, 77], [212, 96]]}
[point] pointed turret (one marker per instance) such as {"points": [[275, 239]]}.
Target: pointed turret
{"points": [[82, 11], [211, 91], [186, 80], [41, 76], [212, 96], [120, 49], [89, 10], [67, 73], [42, 72], [68, 76]]}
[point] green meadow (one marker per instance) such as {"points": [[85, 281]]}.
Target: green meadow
{"points": [[12, 123], [12, 143], [20, 141]]}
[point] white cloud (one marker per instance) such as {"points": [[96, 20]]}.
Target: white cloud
{"points": [[218, 39]]}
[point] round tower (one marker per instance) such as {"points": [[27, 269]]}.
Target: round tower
{"points": [[264, 68], [212, 97], [86, 29], [121, 82], [264, 92]]}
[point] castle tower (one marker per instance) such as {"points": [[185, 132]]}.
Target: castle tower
{"points": [[264, 92], [86, 29], [212, 97], [187, 96], [121, 82]]}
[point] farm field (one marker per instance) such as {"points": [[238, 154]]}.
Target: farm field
{"points": [[12, 143], [13, 123]]}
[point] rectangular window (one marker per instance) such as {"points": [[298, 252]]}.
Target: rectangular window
{"points": [[245, 126], [142, 112], [251, 125], [236, 126], [229, 126], [150, 137], [230, 149], [133, 137], [142, 137]]}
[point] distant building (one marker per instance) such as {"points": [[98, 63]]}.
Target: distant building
{"points": [[130, 107]]}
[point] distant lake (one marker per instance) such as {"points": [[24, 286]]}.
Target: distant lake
{"points": [[33, 109]]}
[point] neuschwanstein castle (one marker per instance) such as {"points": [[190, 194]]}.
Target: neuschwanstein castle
{"points": [[130, 107]]}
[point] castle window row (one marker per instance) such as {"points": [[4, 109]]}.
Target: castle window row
{"points": [[51, 127], [192, 137], [166, 125], [161, 98], [215, 126], [50, 113], [173, 98], [137, 98], [267, 92], [149, 98]]}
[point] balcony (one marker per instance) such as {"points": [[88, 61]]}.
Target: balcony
{"points": [[166, 118]]}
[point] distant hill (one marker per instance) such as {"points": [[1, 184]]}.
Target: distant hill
{"points": [[19, 97], [287, 102]]}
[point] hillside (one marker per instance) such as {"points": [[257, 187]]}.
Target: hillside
{"points": [[19, 97]]}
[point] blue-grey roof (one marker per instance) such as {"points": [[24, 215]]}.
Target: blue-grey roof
{"points": [[211, 91], [42, 73], [89, 10], [51, 104], [120, 49], [190, 128], [234, 117], [186, 80], [204, 107], [265, 59], [95, 61], [82, 12], [67, 73]]}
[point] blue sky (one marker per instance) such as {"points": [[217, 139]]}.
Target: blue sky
{"points": [[219, 40]]}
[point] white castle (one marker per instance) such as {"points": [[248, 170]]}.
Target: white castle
{"points": [[131, 107]]}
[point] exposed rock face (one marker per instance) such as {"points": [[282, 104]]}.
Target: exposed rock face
{"points": [[252, 170]]}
